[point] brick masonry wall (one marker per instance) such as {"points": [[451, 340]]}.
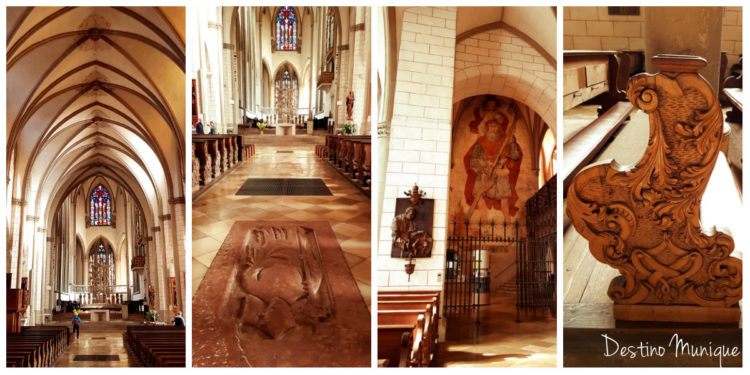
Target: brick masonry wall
{"points": [[731, 34], [420, 138], [593, 28], [501, 63]]}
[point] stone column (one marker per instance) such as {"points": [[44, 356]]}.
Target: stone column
{"points": [[13, 257], [420, 135], [178, 232], [342, 84], [685, 31], [360, 68]]}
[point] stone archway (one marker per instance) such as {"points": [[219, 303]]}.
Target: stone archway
{"points": [[499, 80]]}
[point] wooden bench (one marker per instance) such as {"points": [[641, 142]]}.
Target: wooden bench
{"points": [[350, 156], [595, 77], [408, 320], [430, 310], [157, 346], [401, 339], [37, 346], [580, 149]]}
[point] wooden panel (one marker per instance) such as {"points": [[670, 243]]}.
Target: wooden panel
{"points": [[580, 149], [574, 79], [607, 202], [596, 73]]}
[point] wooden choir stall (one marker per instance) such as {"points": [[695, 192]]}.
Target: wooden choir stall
{"points": [[351, 156], [213, 156]]}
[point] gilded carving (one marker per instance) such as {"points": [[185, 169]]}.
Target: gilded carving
{"points": [[645, 220]]}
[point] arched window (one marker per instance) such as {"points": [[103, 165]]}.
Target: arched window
{"points": [[100, 207], [286, 30]]}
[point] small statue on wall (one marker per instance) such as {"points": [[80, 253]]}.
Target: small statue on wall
{"points": [[411, 229], [350, 105], [411, 242], [151, 297]]}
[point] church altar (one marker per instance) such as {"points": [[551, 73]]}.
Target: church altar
{"points": [[100, 312], [280, 128]]}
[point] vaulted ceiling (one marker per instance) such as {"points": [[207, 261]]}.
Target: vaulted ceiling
{"points": [[95, 91]]}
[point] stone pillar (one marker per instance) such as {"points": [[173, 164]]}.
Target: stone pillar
{"points": [[420, 135], [160, 280], [178, 213], [13, 257], [685, 31], [229, 66], [342, 85], [360, 70], [36, 260]]}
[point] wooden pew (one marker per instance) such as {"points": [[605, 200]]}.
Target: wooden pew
{"points": [[393, 327], [395, 345], [37, 346], [351, 156], [580, 149], [157, 346], [429, 308], [398, 310], [594, 77]]}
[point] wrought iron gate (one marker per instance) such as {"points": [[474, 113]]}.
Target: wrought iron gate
{"points": [[467, 267], [536, 259]]}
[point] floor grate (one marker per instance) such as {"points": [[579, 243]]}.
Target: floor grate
{"points": [[284, 152], [97, 357], [98, 338], [284, 186]]}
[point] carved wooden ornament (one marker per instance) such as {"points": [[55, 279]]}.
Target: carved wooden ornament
{"points": [[645, 220]]}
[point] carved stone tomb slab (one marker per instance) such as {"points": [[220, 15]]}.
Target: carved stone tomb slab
{"points": [[280, 294], [644, 220]]}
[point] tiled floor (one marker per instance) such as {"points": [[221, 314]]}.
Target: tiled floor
{"points": [[498, 341], [348, 210], [98, 339]]}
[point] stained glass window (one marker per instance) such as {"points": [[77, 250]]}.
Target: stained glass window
{"points": [[100, 207], [286, 30]]}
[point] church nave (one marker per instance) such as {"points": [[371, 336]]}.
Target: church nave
{"points": [[281, 234], [95, 183]]}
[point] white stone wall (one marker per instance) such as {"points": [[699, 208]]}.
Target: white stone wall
{"points": [[502, 63], [731, 34], [420, 138], [593, 28]]}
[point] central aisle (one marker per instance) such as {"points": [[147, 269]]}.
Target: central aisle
{"points": [[348, 210], [98, 339]]}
